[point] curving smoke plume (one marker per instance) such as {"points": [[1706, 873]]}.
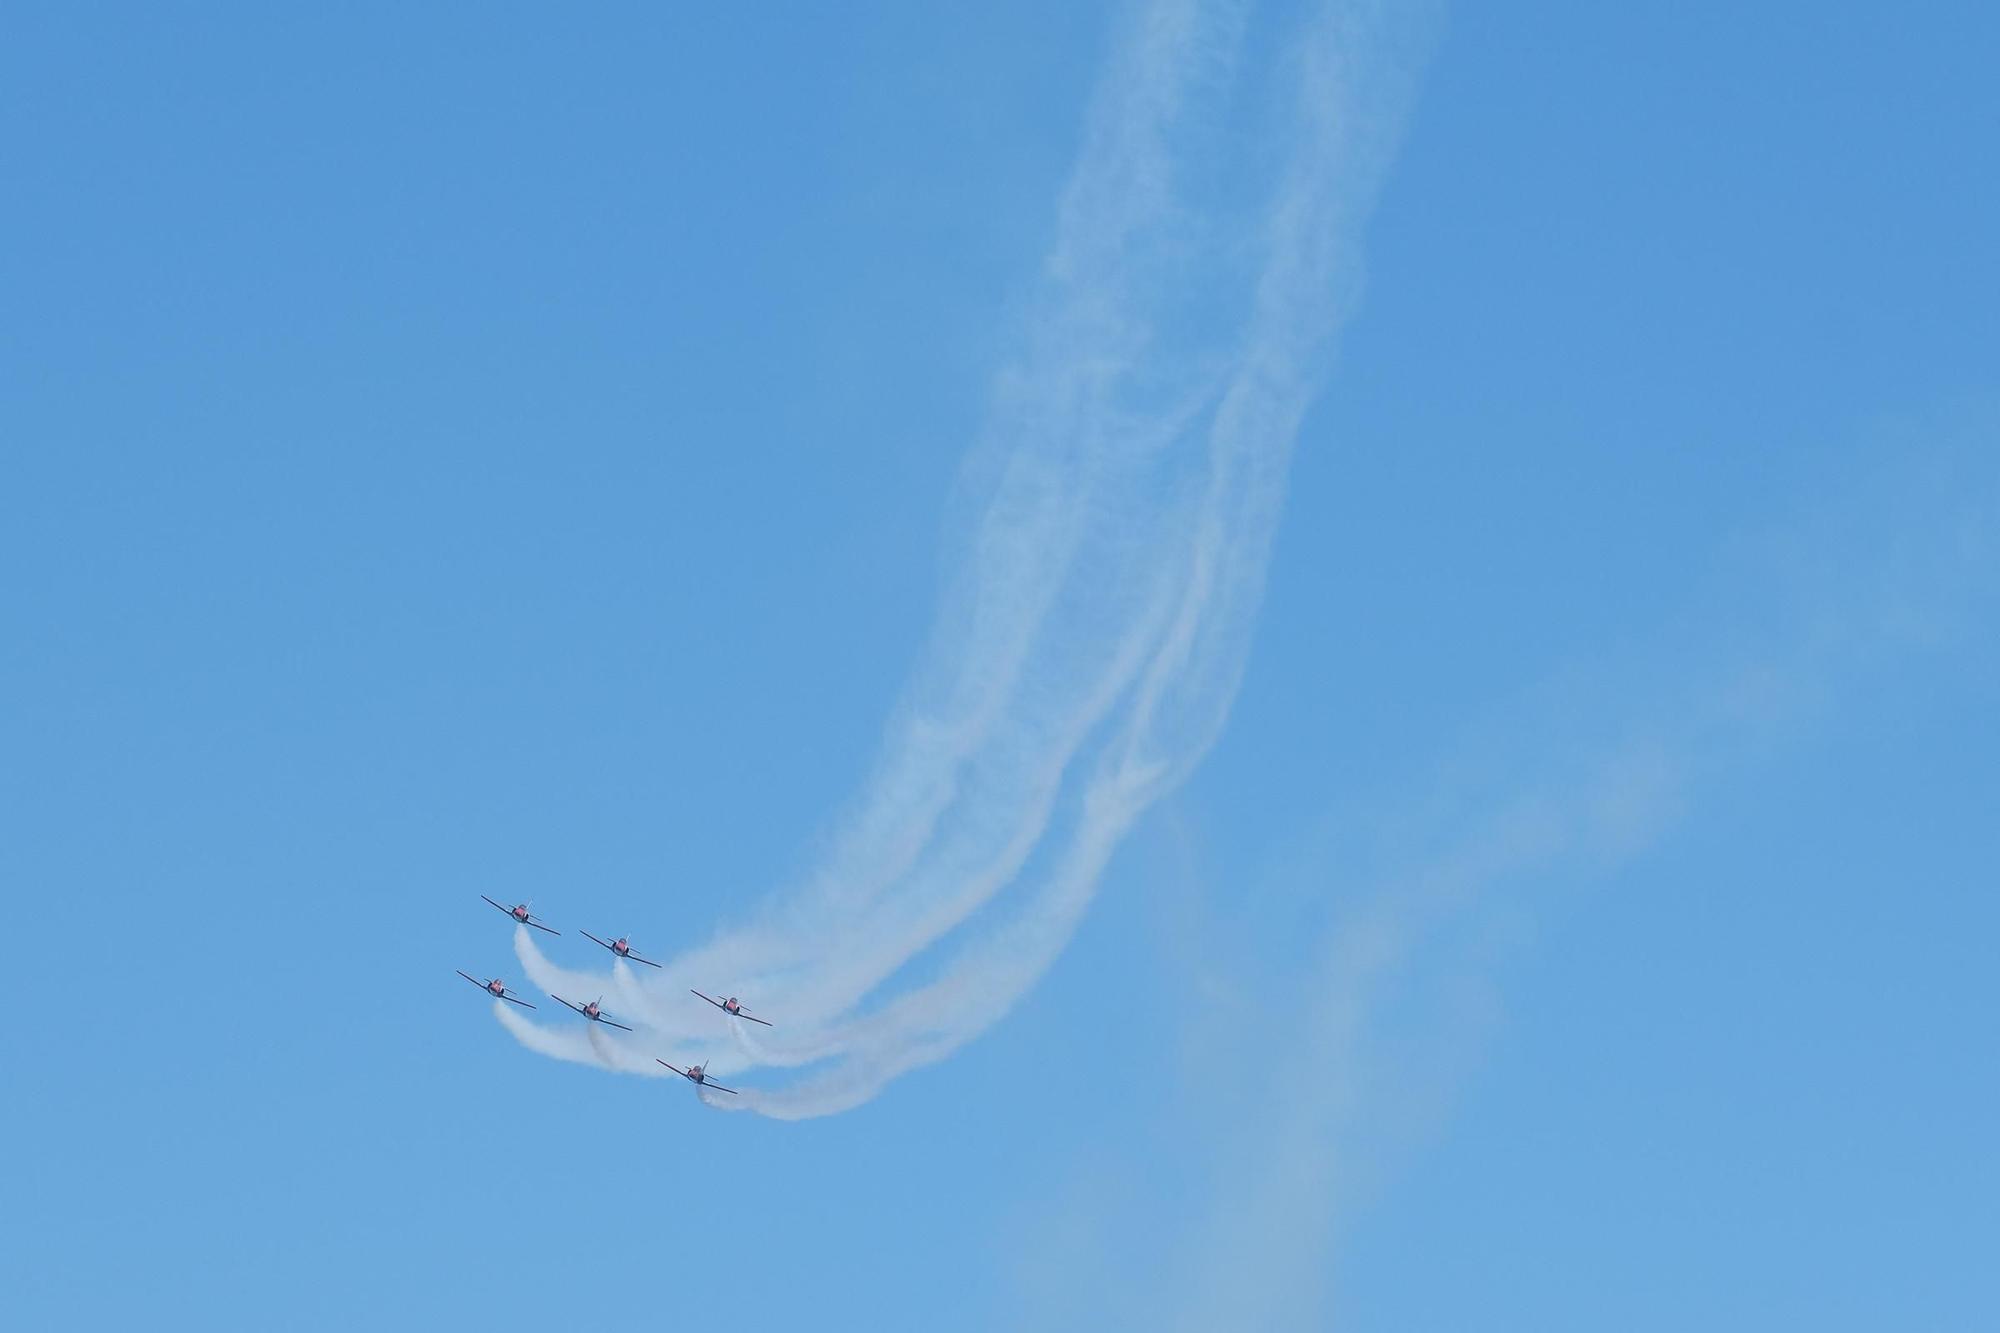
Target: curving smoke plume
{"points": [[1129, 482]]}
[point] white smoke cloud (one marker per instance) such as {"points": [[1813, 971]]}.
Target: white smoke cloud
{"points": [[1128, 484]]}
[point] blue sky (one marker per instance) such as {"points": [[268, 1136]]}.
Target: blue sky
{"points": [[526, 454]]}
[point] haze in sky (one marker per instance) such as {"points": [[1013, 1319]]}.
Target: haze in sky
{"points": [[1330, 665]]}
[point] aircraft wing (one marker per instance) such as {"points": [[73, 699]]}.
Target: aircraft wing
{"points": [[710, 998], [676, 1068], [717, 1086], [608, 1023], [560, 1000], [539, 926], [474, 980], [753, 1018], [512, 999], [594, 940], [637, 959]]}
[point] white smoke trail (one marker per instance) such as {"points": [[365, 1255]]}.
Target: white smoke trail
{"points": [[1090, 644]]}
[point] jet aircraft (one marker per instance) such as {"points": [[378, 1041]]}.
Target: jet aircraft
{"points": [[622, 947], [731, 1007], [497, 989], [519, 911], [591, 1011], [698, 1075]]}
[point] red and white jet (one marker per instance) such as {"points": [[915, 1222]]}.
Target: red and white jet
{"points": [[591, 1011], [622, 947], [519, 911], [699, 1075], [732, 1008], [497, 989]]}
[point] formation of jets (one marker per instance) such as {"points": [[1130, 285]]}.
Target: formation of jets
{"points": [[594, 1011]]}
